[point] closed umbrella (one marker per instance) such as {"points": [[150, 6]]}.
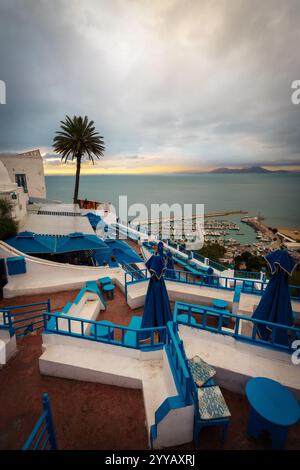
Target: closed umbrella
{"points": [[157, 309], [275, 304], [170, 273]]}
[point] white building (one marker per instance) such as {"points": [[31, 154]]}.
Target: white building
{"points": [[26, 169], [14, 194]]}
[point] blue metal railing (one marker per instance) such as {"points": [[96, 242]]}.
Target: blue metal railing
{"points": [[204, 313], [183, 380], [28, 317], [179, 368], [199, 257], [246, 274], [90, 330], [42, 437], [7, 323], [255, 287]]}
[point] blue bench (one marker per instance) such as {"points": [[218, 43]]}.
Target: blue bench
{"points": [[130, 337]]}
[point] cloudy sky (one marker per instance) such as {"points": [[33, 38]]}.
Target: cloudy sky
{"points": [[172, 85]]}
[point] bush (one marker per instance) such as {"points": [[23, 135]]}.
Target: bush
{"points": [[8, 226], [213, 251], [252, 262]]}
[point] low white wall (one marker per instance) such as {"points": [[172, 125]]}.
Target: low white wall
{"points": [[8, 347], [236, 361], [46, 276], [180, 420]]}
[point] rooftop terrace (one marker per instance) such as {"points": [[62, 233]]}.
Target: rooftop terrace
{"points": [[94, 415]]}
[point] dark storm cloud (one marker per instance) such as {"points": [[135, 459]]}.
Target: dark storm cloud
{"points": [[189, 82]]}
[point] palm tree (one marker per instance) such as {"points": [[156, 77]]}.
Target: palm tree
{"points": [[78, 139]]}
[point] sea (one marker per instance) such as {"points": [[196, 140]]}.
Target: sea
{"points": [[274, 196]]}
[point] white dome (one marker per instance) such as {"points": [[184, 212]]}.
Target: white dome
{"points": [[4, 176]]}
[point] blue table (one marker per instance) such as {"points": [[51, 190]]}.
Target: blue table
{"points": [[185, 319], [221, 304], [109, 290], [273, 409], [103, 331], [104, 280]]}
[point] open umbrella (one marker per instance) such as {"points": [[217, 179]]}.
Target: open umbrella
{"points": [[157, 309], [32, 243], [275, 304], [170, 273]]}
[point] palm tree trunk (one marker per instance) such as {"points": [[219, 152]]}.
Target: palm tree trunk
{"points": [[77, 178]]}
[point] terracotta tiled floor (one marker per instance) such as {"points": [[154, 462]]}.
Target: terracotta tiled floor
{"points": [[95, 416]]}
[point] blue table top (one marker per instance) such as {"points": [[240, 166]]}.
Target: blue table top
{"points": [[219, 303], [108, 287], [273, 401], [105, 280]]}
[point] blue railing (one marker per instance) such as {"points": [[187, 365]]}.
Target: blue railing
{"points": [[246, 274], [199, 257], [29, 317], [90, 330], [216, 265], [218, 282], [42, 437], [183, 380], [180, 371], [6, 323], [204, 316]]}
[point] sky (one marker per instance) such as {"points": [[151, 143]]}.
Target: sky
{"points": [[172, 85]]}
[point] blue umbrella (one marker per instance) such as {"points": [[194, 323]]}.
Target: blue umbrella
{"points": [[32, 243], [160, 249], [170, 273], [94, 219], [157, 309], [275, 304]]}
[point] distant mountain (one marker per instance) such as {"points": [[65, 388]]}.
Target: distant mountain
{"points": [[251, 169]]}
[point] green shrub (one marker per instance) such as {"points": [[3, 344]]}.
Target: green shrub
{"points": [[213, 251], [8, 226]]}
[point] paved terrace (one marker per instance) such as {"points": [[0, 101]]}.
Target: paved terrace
{"points": [[92, 415]]}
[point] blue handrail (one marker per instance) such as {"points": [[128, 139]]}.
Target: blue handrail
{"points": [[89, 330], [28, 317], [42, 437], [180, 371], [255, 287], [247, 274], [208, 312]]}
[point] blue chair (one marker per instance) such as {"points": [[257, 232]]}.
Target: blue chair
{"points": [[130, 337], [210, 406]]}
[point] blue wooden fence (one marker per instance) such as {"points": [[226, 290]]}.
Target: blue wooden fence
{"points": [[179, 368], [255, 287], [90, 330], [42, 437], [28, 317], [203, 313]]}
